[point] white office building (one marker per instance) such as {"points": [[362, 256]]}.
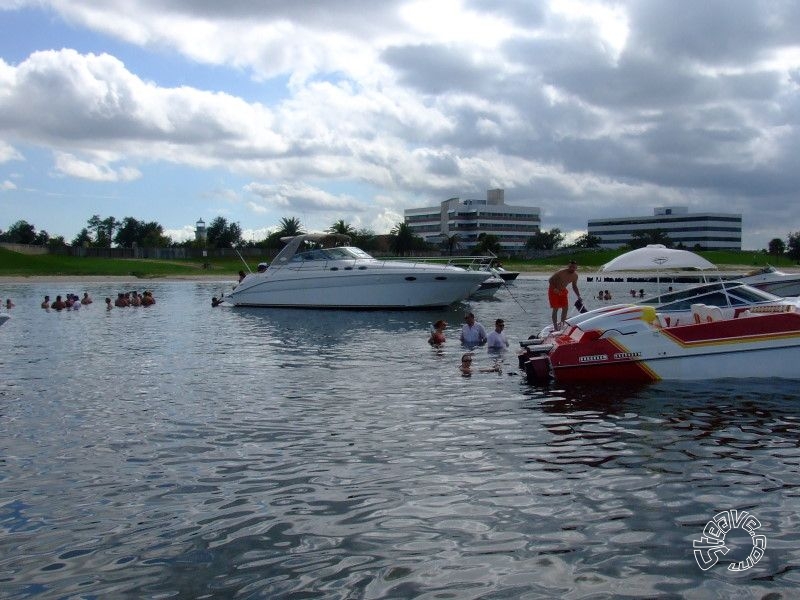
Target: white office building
{"points": [[512, 225], [706, 231]]}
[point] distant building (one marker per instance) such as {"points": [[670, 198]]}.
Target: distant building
{"points": [[200, 234], [707, 231], [512, 225]]}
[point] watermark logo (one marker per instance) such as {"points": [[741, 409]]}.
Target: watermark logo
{"points": [[708, 548]]}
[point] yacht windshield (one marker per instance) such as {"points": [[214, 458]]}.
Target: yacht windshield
{"points": [[337, 253]]}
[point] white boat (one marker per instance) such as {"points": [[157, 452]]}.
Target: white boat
{"points": [[711, 331], [773, 281], [504, 274], [488, 288], [333, 275]]}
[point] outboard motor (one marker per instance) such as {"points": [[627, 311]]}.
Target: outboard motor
{"points": [[534, 361]]}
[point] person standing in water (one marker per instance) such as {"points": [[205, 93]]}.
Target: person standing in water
{"points": [[557, 293]]}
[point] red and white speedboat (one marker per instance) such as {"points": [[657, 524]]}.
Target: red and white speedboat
{"points": [[712, 331]]}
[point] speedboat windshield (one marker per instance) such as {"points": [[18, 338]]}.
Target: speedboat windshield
{"points": [[722, 294], [337, 253]]}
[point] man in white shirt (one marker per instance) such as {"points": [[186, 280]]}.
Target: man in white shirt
{"points": [[472, 332], [497, 339]]}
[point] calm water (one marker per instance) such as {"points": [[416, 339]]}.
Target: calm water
{"points": [[182, 451]]}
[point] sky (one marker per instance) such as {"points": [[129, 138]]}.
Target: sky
{"points": [[176, 110]]}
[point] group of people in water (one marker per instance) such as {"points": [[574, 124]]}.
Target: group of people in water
{"points": [[473, 334], [74, 302], [67, 302]]}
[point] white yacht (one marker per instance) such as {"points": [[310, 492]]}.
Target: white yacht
{"points": [[335, 275]]}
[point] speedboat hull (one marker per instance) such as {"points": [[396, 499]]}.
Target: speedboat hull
{"points": [[632, 344]]}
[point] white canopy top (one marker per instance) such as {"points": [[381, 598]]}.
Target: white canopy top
{"points": [[657, 257]]}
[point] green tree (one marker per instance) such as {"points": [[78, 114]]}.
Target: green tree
{"points": [[42, 238], [545, 240], [289, 227], [221, 234], [343, 228], [777, 247], [145, 235], [402, 239], [57, 242], [587, 240], [451, 243], [103, 230], [84, 238], [364, 238], [793, 247], [487, 243], [152, 236], [20, 232], [645, 237], [128, 233]]}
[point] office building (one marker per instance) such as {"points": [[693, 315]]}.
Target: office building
{"points": [[705, 231], [512, 225]]}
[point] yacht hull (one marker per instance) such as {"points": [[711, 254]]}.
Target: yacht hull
{"points": [[368, 289]]}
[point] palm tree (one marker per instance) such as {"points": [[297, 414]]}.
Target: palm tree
{"points": [[343, 228], [451, 242], [402, 239], [290, 226]]}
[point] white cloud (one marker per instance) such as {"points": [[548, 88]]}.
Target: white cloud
{"points": [[8, 153], [7, 186], [582, 107], [300, 197], [69, 165]]}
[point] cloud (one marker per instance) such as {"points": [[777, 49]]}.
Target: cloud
{"points": [[585, 108], [7, 186], [8, 153], [300, 197], [69, 165]]}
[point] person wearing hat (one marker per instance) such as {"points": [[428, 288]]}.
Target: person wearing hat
{"points": [[498, 339], [557, 293], [472, 332]]}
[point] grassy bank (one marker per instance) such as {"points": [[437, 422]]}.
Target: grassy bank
{"points": [[15, 264]]}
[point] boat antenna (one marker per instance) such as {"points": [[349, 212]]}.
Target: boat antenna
{"points": [[240, 258]]}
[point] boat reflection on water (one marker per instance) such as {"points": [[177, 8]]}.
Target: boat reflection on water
{"points": [[332, 327], [730, 404], [602, 398]]}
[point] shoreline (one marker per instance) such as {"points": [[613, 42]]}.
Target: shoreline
{"points": [[140, 281], [725, 270]]}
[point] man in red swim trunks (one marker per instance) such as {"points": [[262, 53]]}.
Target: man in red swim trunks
{"points": [[557, 293]]}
